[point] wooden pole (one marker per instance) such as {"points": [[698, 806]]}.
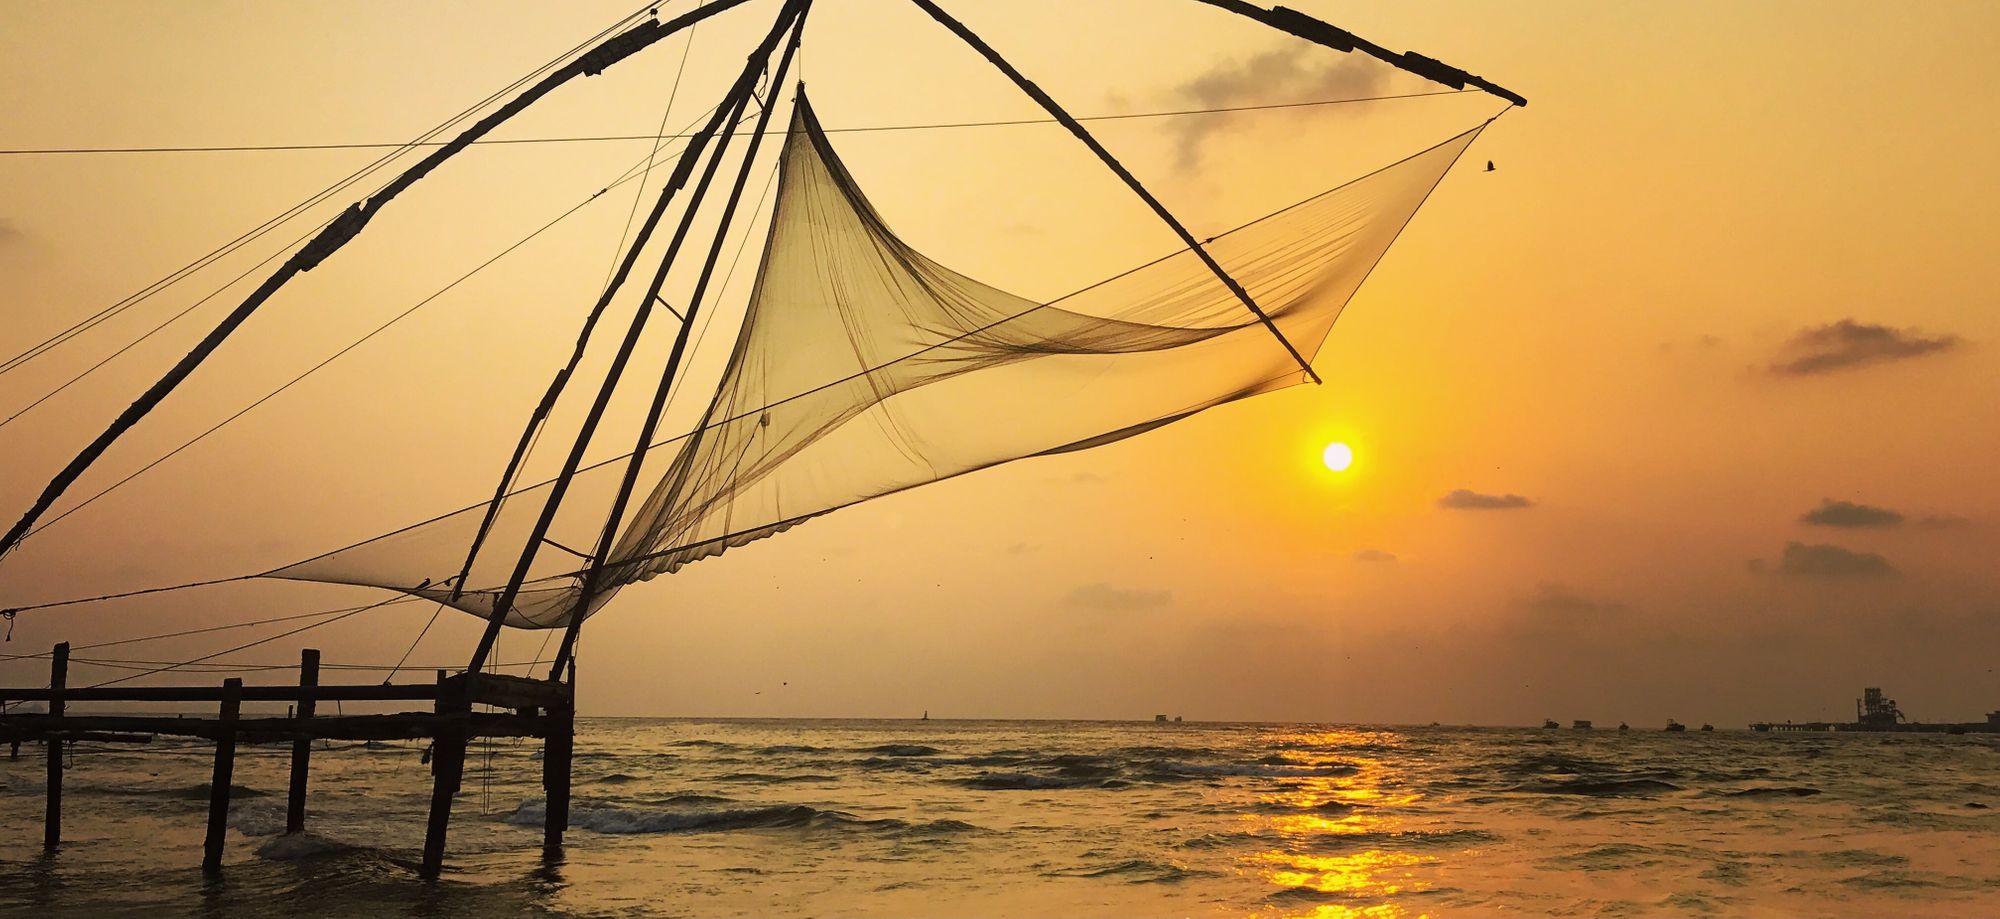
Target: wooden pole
{"points": [[448, 771], [734, 101], [225, 774], [558, 751], [295, 803], [52, 811], [343, 228], [1049, 104]]}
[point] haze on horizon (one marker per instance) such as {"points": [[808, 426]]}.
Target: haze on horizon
{"points": [[1688, 409]]}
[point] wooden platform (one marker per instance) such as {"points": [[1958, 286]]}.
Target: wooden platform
{"points": [[534, 708]]}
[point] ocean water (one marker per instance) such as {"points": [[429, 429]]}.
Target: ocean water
{"points": [[995, 818]]}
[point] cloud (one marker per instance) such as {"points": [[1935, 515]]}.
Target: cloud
{"points": [[1552, 599], [1831, 513], [1374, 555], [1298, 72], [8, 231], [1465, 499], [1807, 560], [1104, 596], [1942, 521], [1847, 344]]}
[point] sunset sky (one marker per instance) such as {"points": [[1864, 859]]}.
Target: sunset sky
{"points": [[1689, 408]]}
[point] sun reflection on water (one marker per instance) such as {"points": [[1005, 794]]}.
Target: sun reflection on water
{"points": [[1339, 795]]}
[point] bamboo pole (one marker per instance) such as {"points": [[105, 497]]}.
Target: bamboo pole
{"points": [[1049, 104], [593, 579], [337, 234], [738, 96]]}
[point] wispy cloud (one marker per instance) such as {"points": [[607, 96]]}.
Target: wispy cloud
{"points": [[1831, 513], [1465, 499], [1848, 344], [1296, 73], [1374, 555], [1553, 599], [1102, 596]]}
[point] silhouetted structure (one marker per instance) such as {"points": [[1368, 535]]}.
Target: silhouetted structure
{"points": [[1875, 712]]}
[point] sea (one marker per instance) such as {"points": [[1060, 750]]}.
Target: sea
{"points": [[682, 817]]}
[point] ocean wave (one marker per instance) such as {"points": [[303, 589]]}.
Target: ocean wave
{"points": [[618, 778], [770, 779], [902, 749], [1135, 871], [291, 846], [614, 820], [1025, 781], [1603, 788], [1261, 770], [792, 748], [1785, 791]]}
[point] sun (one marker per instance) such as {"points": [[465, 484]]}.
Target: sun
{"points": [[1338, 456]]}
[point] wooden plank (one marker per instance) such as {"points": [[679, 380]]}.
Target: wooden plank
{"points": [[52, 806], [225, 773], [504, 691], [402, 726], [380, 692], [295, 800]]}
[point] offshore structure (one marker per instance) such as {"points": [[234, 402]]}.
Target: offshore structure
{"points": [[1876, 712], [1206, 325]]}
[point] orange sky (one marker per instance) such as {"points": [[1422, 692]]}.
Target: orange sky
{"points": [[1595, 326]]}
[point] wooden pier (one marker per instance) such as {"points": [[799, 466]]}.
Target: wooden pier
{"points": [[532, 708]]}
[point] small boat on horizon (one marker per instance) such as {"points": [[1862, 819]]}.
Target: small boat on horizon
{"points": [[1622, 726], [1579, 725], [1707, 727], [1675, 726], [1549, 724]]}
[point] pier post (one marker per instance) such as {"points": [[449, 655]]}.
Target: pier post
{"points": [[447, 769], [52, 810], [295, 802], [558, 749], [225, 774]]}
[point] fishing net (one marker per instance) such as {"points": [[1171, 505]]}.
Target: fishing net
{"points": [[863, 368]]}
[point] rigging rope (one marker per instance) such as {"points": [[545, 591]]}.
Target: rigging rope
{"points": [[855, 129], [331, 358], [175, 666], [397, 150]]}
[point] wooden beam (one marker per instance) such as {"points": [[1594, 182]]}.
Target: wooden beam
{"points": [[1049, 104], [295, 800], [379, 692], [52, 806], [401, 726], [223, 776]]}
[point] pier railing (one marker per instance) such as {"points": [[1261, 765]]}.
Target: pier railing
{"points": [[530, 708]]}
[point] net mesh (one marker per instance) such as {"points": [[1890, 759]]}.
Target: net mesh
{"points": [[863, 368]]}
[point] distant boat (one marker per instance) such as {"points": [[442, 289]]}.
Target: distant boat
{"points": [[1675, 726], [1707, 727], [1579, 725], [1161, 718], [927, 715], [1549, 724], [1177, 719], [1623, 726]]}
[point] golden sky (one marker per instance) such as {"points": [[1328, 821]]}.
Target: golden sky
{"points": [[1733, 263]]}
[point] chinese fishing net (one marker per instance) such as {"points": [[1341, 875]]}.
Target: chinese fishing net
{"points": [[863, 368]]}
